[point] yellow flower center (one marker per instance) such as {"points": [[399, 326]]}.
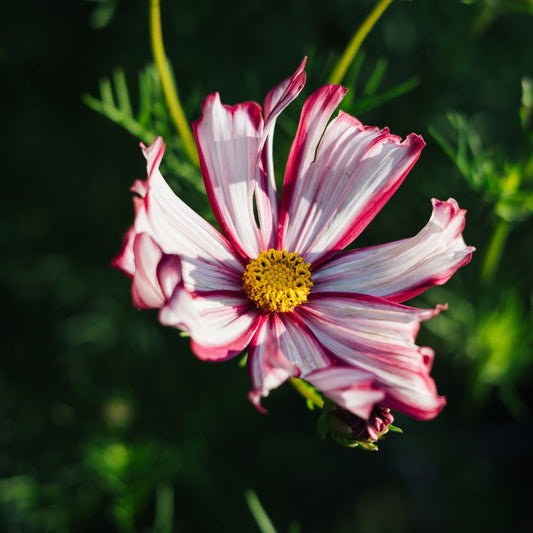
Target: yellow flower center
{"points": [[277, 280]]}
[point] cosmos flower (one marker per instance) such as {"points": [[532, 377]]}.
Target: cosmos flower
{"points": [[275, 280]]}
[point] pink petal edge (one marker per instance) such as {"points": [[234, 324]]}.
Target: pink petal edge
{"points": [[228, 144], [377, 336], [349, 387], [282, 348], [265, 195], [334, 197], [403, 269]]}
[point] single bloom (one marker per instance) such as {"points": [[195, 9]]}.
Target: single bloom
{"points": [[276, 280]]}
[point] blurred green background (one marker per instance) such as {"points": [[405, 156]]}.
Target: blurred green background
{"points": [[109, 423]]}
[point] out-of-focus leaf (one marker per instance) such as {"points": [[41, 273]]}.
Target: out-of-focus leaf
{"points": [[500, 182], [103, 13], [500, 346]]}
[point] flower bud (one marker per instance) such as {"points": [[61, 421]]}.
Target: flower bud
{"points": [[350, 430]]}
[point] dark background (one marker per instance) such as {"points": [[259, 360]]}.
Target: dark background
{"points": [[106, 419]]}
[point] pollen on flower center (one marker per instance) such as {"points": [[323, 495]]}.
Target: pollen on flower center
{"points": [[277, 280]]}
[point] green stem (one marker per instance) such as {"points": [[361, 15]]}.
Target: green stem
{"points": [[167, 82], [164, 508], [308, 392], [258, 512], [357, 40], [494, 251]]}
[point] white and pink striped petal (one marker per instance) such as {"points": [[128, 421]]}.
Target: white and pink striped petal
{"points": [[125, 259], [156, 275], [209, 262], [377, 336], [348, 387], [283, 347], [157, 283], [228, 140], [315, 115], [400, 270], [265, 195], [335, 195], [220, 324]]}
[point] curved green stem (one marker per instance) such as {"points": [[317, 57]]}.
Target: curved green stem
{"points": [[308, 392], [167, 82], [357, 40]]}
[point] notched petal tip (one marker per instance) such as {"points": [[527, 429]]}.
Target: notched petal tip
{"points": [[255, 397], [436, 311], [153, 154], [154, 148], [450, 219], [415, 141], [210, 101], [413, 144], [213, 108]]}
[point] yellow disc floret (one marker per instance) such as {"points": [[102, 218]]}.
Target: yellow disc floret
{"points": [[277, 280]]}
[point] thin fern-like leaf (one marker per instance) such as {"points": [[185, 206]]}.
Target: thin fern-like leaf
{"points": [[442, 142], [351, 80], [145, 91], [106, 92], [121, 90], [371, 102], [119, 117], [376, 77]]}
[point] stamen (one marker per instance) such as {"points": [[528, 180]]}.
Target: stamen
{"points": [[277, 281]]}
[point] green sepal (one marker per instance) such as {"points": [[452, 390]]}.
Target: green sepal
{"points": [[395, 429]]}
